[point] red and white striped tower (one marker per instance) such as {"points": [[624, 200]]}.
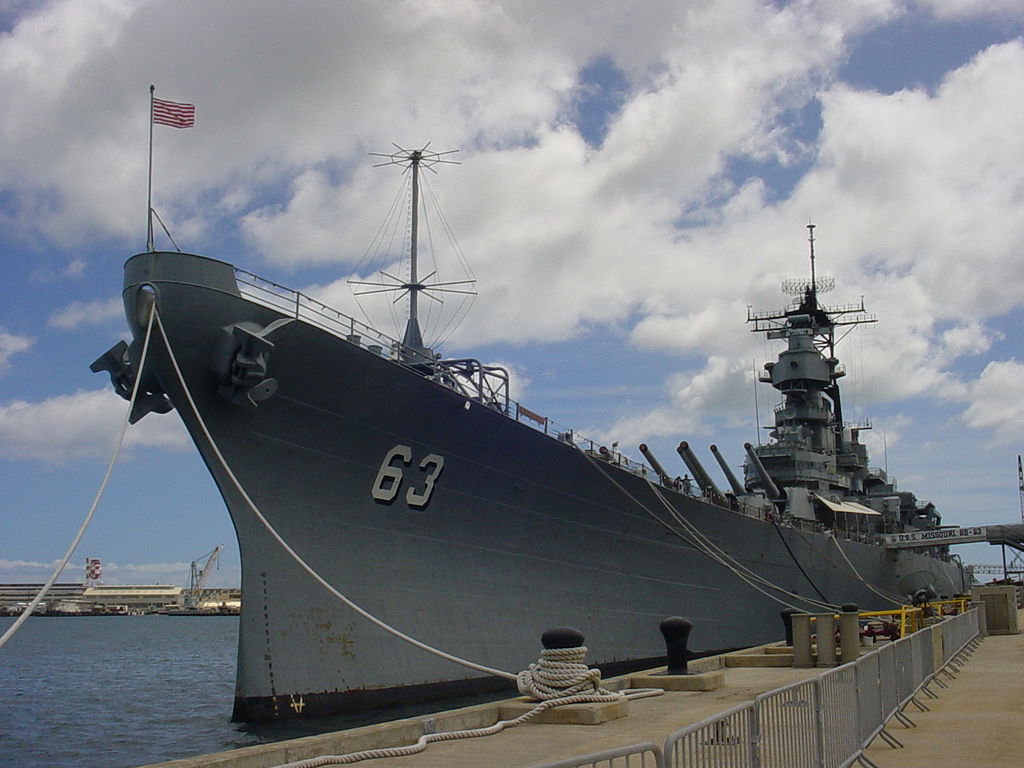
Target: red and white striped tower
{"points": [[93, 571]]}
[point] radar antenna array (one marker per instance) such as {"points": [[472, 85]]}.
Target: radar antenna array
{"points": [[412, 161], [798, 286]]}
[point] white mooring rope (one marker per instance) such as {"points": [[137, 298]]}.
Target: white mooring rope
{"points": [[291, 552], [423, 741], [889, 596], [559, 678], [704, 544], [561, 672], [95, 502]]}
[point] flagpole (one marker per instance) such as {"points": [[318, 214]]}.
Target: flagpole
{"points": [[149, 192]]}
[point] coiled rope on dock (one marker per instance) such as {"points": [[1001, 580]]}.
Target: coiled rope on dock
{"points": [[428, 738], [559, 673], [559, 678], [34, 603]]}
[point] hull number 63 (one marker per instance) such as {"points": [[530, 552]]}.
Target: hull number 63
{"points": [[392, 473]]}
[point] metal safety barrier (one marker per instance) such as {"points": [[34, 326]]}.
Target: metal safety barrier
{"points": [[823, 722], [723, 741], [646, 755], [827, 721], [787, 726], [837, 698], [903, 668]]}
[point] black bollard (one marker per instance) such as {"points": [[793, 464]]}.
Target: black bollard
{"points": [[787, 621], [562, 637], [676, 631]]}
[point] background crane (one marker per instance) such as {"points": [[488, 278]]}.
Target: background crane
{"points": [[198, 578]]}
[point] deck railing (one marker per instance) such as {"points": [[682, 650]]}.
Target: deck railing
{"points": [[309, 310]]}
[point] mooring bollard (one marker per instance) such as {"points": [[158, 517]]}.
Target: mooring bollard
{"points": [[676, 631], [826, 632], [787, 622], [562, 637], [802, 640], [849, 633]]}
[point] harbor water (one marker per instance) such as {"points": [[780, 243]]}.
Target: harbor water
{"points": [[119, 691]]}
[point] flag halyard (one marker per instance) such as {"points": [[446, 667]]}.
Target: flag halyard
{"points": [[173, 113]]}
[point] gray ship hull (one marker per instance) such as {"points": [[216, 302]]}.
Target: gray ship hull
{"points": [[479, 534]]}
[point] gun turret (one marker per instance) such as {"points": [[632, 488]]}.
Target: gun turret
{"points": [[737, 489], [704, 480], [770, 488], [655, 465]]}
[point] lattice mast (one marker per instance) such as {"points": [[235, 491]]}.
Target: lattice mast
{"points": [[1020, 484], [822, 320], [1016, 565]]}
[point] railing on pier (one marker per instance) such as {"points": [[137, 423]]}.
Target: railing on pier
{"points": [[823, 722]]}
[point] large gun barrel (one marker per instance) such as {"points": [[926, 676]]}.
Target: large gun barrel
{"points": [[655, 465], [770, 488], [738, 489], [704, 480]]}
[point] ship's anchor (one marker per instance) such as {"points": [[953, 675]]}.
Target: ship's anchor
{"points": [[241, 362], [117, 362]]}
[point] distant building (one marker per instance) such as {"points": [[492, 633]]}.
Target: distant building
{"points": [[141, 597], [114, 598], [223, 600], [14, 595]]}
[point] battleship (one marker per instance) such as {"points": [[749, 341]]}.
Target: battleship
{"points": [[417, 487]]}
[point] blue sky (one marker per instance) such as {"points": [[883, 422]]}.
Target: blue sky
{"points": [[630, 182]]}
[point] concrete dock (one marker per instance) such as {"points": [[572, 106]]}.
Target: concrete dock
{"points": [[976, 722]]}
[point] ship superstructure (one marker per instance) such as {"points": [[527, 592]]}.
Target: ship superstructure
{"points": [[815, 460]]}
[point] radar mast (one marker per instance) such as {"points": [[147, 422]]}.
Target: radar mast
{"points": [[413, 347]]}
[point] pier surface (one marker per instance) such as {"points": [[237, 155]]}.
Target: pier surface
{"points": [[974, 722]]}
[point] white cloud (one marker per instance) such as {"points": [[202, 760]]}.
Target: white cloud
{"points": [[647, 231], [10, 345], [74, 269], [79, 313], [970, 9], [166, 573], [28, 571], [916, 207], [721, 389], [10, 565], [81, 425], [996, 404]]}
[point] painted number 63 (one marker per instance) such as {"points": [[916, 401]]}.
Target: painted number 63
{"points": [[391, 474]]}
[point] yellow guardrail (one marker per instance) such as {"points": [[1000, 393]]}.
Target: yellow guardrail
{"points": [[907, 618], [910, 619], [952, 607]]}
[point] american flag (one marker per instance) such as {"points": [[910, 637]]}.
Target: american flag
{"points": [[173, 113]]}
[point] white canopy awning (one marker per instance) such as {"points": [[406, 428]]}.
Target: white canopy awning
{"points": [[863, 510], [850, 507]]}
